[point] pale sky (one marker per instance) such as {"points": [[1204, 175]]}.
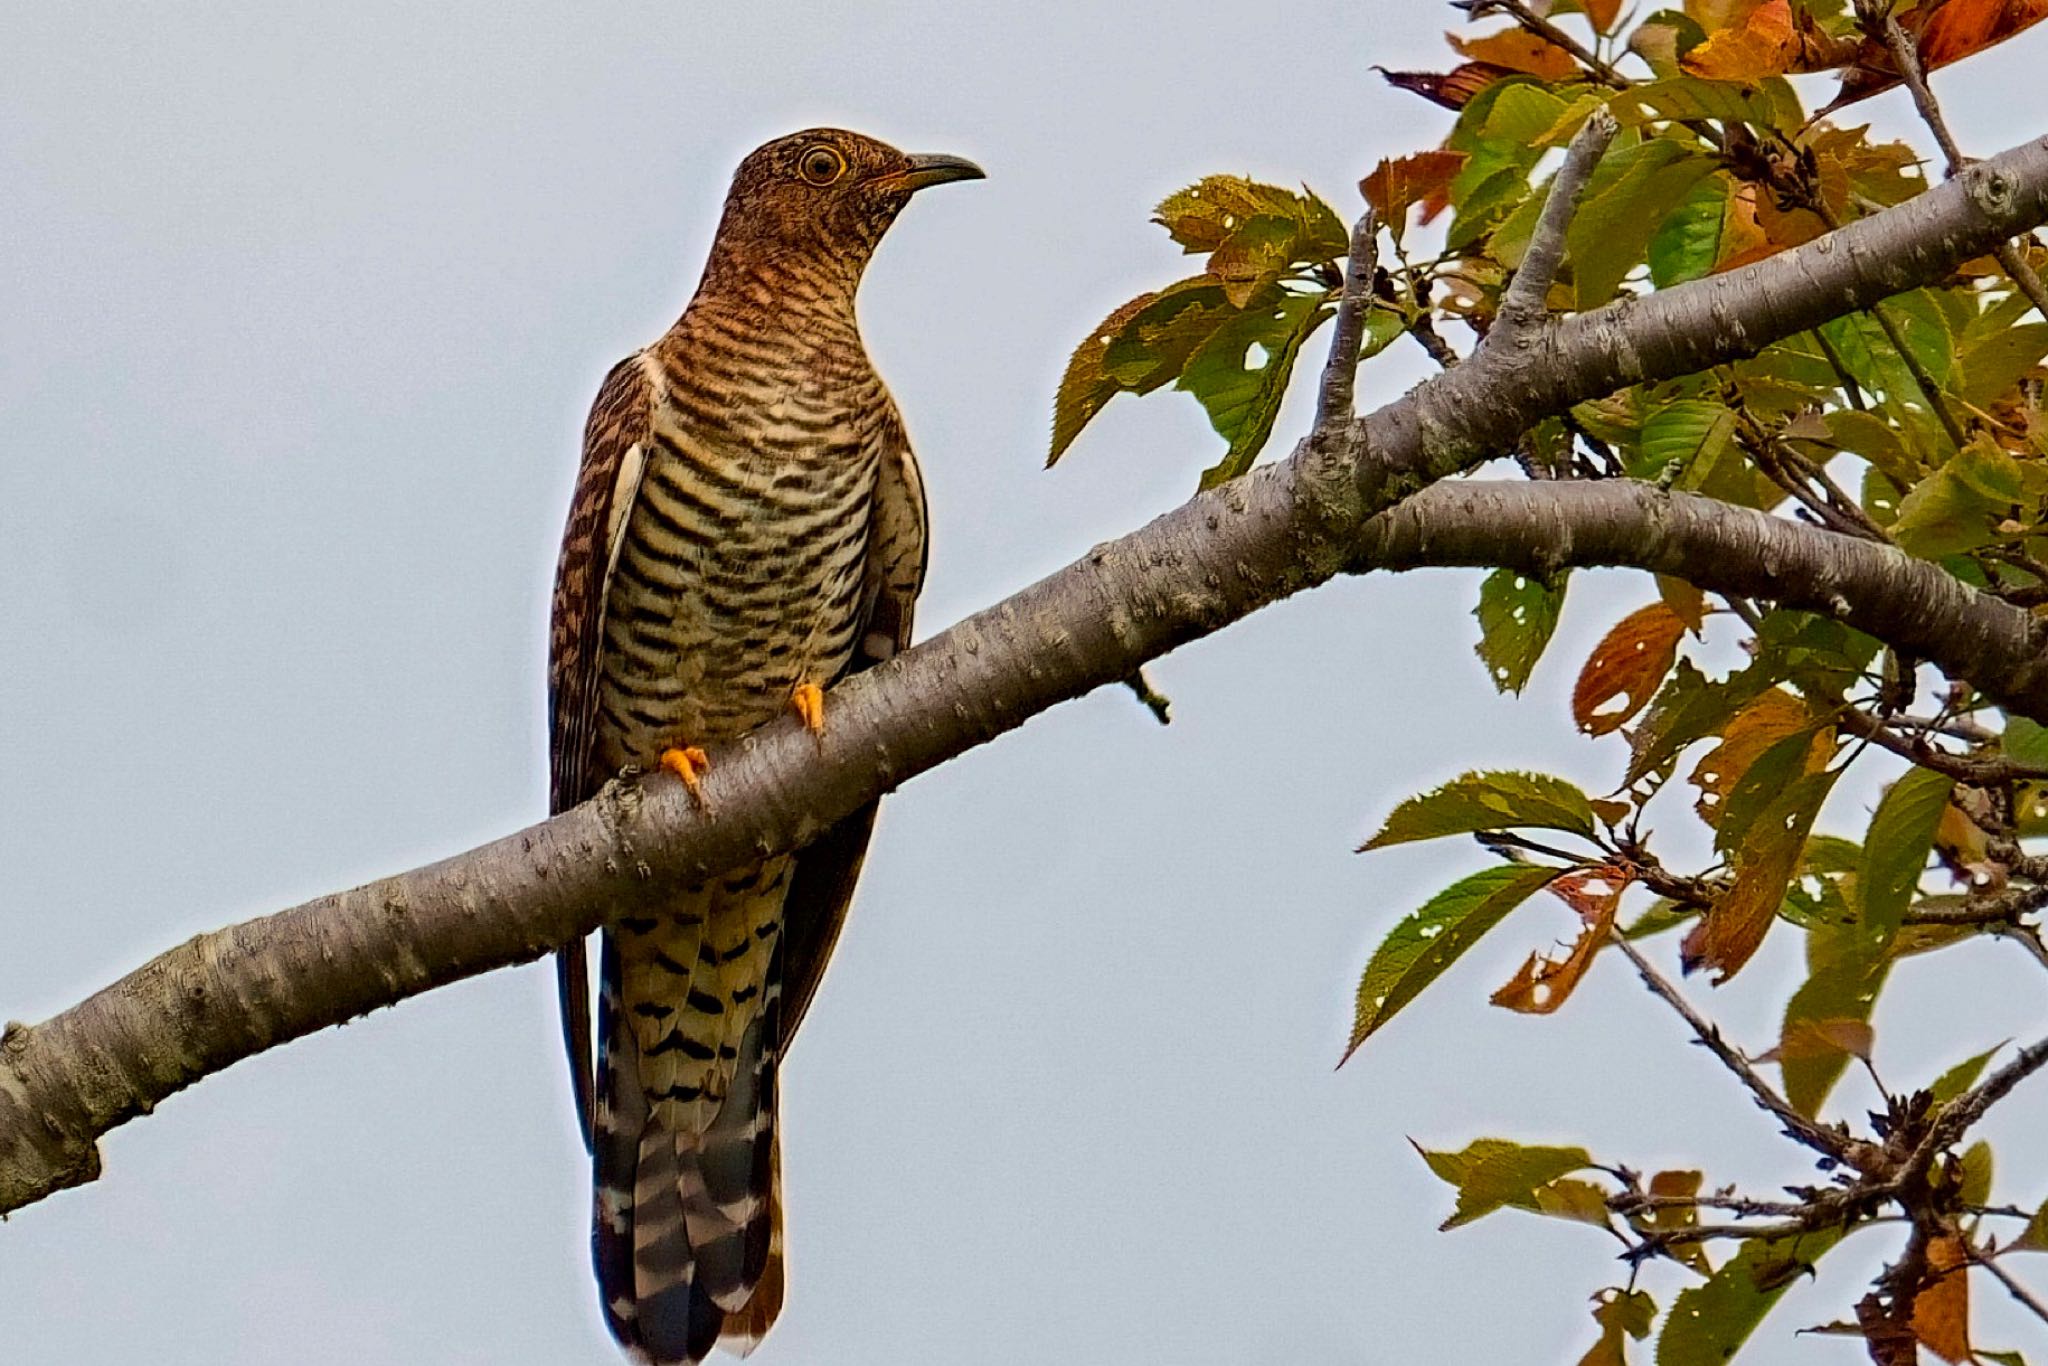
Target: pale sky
{"points": [[301, 310]]}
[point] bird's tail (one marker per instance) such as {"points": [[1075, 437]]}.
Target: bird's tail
{"points": [[687, 1228]]}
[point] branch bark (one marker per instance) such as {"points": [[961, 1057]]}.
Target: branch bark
{"points": [[1287, 526]]}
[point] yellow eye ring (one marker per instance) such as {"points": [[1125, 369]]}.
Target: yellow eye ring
{"points": [[821, 166]]}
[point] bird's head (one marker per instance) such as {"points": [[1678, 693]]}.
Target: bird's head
{"points": [[825, 194]]}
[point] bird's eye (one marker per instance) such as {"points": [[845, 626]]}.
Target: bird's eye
{"points": [[821, 166]]}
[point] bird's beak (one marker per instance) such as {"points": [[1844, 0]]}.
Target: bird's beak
{"points": [[930, 168]]}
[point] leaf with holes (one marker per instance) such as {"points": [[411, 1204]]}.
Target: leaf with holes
{"points": [[1770, 717], [1625, 668], [1542, 984], [1240, 375], [1493, 1174], [1517, 614], [1087, 384], [1488, 801], [1418, 950]]}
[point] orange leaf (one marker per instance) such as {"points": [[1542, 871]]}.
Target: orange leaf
{"points": [[1771, 41], [1764, 44], [1519, 51], [1399, 183], [1943, 31], [1627, 666], [1763, 721], [1941, 1310], [1542, 984], [1601, 13], [1960, 28], [1452, 89], [1714, 15]]}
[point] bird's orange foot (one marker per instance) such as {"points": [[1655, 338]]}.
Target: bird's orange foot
{"points": [[809, 701], [690, 764]]}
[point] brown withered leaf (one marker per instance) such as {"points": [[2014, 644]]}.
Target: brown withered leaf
{"points": [[1452, 89], [1518, 50], [1729, 934], [1941, 1309], [1766, 719], [1942, 32], [1542, 983], [1601, 13], [1397, 184], [1666, 1218], [1771, 41], [1626, 667]]}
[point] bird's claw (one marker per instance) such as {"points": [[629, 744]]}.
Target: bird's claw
{"points": [[690, 764], [809, 701]]}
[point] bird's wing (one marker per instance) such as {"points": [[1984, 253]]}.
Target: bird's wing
{"points": [[614, 457], [826, 869]]}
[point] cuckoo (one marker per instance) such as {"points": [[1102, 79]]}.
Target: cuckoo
{"points": [[748, 527]]}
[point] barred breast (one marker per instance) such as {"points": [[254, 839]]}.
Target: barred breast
{"points": [[741, 567]]}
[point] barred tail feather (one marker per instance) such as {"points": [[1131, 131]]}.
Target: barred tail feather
{"points": [[686, 1234]]}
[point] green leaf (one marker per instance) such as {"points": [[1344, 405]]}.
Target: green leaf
{"points": [[1579, 1201], [1895, 849], [1493, 1174], [1690, 435], [1709, 1322], [1517, 614], [1418, 950], [1521, 115], [1957, 508], [1691, 98], [1154, 343], [1688, 708], [1973, 1171], [1087, 383], [1239, 374], [1688, 243], [2035, 1237], [1628, 197], [2025, 740], [1758, 791], [1488, 801], [1961, 1077], [1993, 364], [1846, 969]]}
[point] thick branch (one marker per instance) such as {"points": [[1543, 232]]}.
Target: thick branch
{"points": [[1285, 527]]}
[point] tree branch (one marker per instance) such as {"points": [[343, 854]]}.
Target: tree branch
{"points": [[1287, 526]]}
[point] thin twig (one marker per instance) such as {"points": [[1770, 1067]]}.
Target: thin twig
{"points": [[1797, 1126], [1340, 372], [1965, 1110], [1523, 303], [1964, 768], [1907, 59], [2005, 1278]]}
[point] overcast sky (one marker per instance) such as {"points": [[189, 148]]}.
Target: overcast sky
{"points": [[301, 308]]}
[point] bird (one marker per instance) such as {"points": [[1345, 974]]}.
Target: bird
{"points": [[748, 527]]}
